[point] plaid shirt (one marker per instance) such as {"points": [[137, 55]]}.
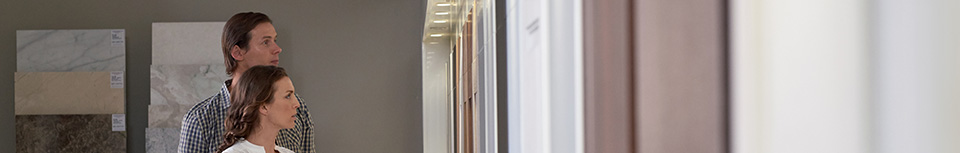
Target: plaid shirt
{"points": [[203, 126]]}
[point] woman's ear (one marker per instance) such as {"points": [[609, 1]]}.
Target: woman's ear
{"points": [[263, 110], [236, 53]]}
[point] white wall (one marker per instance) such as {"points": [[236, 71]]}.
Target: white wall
{"points": [[917, 76], [545, 76], [800, 79], [437, 98]]}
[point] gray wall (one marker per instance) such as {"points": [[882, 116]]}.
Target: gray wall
{"points": [[355, 62]]}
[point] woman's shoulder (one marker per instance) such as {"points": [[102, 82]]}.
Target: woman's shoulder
{"points": [[243, 146], [284, 150], [235, 149]]}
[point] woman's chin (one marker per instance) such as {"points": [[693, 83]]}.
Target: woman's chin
{"points": [[289, 126]]}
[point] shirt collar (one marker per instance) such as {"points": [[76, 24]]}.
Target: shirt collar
{"points": [[225, 91]]}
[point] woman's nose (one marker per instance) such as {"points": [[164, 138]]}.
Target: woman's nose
{"points": [[278, 50]]}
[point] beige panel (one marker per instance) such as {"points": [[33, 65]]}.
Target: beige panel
{"points": [[680, 75], [45, 93]]}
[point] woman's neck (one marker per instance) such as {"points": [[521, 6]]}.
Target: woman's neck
{"points": [[264, 136]]}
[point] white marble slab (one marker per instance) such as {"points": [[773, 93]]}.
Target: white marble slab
{"points": [[185, 84], [166, 115], [70, 50], [54, 93], [187, 43], [162, 140]]}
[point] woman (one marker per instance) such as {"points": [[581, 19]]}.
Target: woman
{"points": [[262, 103]]}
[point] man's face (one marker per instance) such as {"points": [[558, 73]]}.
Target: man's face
{"points": [[262, 48]]}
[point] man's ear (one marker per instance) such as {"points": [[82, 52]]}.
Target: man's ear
{"points": [[236, 52]]}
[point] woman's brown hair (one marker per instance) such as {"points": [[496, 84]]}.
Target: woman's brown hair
{"points": [[237, 32], [254, 89]]}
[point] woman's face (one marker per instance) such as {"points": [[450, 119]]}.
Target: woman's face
{"points": [[282, 112]]}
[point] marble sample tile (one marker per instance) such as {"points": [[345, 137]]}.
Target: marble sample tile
{"points": [[185, 84], [68, 133], [187, 43], [46, 93], [162, 140], [70, 50], [166, 115]]}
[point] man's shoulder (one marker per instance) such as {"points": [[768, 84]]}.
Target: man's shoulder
{"points": [[201, 128], [212, 104]]}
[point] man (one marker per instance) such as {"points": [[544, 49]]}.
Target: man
{"points": [[249, 39]]}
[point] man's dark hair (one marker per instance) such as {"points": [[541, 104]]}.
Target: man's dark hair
{"points": [[237, 32]]}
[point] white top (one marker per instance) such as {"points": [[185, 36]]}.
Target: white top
{"points": [[244, 146]]}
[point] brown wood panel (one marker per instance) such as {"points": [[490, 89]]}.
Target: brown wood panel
{"points": [[680, 76], [656, 76], [608, 70]]}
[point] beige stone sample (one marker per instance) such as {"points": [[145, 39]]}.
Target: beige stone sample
{"points": [[49, 93]]}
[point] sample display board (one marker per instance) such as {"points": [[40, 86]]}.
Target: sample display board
{"points": [[69, 91], [187, 67]]}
